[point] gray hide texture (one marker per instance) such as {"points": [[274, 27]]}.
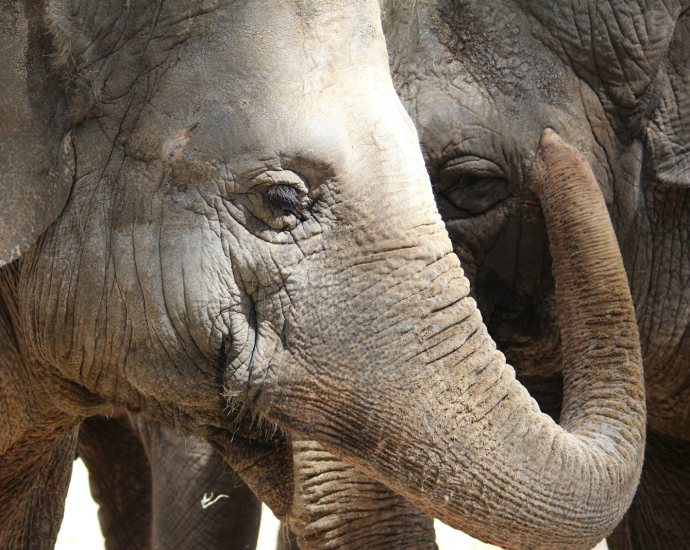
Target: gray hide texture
{"points": [[36, 154]]}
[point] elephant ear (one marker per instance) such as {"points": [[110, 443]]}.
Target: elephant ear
{"points": [[37, 161], [668, 131]]}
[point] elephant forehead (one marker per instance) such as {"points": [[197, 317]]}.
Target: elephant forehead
{"points": [[495, 44], [489, 80], [266, 79], [492, 84], [255, 46], [490, 42], [185, 57], [616, 47]]}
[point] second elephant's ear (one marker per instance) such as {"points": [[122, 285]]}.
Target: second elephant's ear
{"points": [[668, 131], [37, 160]]}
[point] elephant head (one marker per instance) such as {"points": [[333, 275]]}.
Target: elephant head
{"points": [[482, 80], [248, 217]]}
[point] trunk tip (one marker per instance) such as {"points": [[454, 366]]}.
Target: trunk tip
{"points": [[549, 137]]}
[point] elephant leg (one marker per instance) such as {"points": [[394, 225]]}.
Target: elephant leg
{"points": [[337, 506], [34, 479], [37, 440], [659, 518], [120, 480], [198, 501]]}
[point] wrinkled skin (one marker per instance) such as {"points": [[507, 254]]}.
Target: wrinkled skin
{"points": [[481, 80], [227, 236], [488, 96], [172, 357], [149, 481]]}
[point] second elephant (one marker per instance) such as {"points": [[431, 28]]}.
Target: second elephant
{"points": [[482, 79]]}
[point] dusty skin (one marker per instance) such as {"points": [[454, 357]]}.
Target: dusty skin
{"points": [[175, 284]]}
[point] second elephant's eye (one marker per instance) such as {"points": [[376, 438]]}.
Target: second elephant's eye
{"points": [[473, 194], [471, 188], [285, 197]]}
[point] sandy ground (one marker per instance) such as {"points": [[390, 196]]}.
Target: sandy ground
{"points": [[80, 529]]}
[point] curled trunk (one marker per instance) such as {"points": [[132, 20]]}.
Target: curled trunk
{"points": [[450, 428]]}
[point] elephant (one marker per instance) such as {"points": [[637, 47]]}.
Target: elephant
{"points": [[49, 28], [232, 231], [157, 488], [481, 79]]}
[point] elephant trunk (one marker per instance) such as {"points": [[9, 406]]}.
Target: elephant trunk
{"points": [[450, 428], [603, 366]]}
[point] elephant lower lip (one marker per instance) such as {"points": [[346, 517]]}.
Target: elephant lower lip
{"points": [[264, 464], [243, 429]]}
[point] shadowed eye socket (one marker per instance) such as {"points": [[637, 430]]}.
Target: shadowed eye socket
{"points": [[285, 197], [472, 185]]}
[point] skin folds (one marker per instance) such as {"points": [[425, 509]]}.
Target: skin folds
{"points": [[175, 284], [481, 81]]}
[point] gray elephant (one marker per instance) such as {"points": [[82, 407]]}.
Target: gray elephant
{"points": [[157, 488], [216, 207], [481, 80]]}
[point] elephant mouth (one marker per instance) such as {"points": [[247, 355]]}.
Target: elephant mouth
{"points": [[525, 324], [248, 357], [237, 354], [262, 457], [506, 257]]}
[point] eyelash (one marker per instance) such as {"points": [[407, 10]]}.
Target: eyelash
{"points": [[285, 197]]}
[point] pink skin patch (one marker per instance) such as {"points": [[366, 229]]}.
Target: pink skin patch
{"points": [[172, 149]]}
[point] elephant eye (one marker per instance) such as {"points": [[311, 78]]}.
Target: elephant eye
{"points": [[471, 192], [285, 197]]}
